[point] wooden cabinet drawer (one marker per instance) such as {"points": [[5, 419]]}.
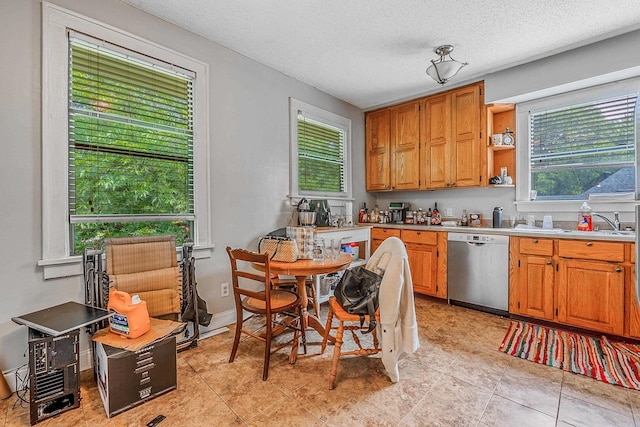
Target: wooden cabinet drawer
{"points": [[383, 233], [632, 255], [536, 246], [591, 249], [422, 237]]}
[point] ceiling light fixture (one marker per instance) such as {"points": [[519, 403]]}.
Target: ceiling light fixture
{"points": [[443, 69]]}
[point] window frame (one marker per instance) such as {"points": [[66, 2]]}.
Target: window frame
{"points": [[56, 23], [523, 153], [328, 118]]}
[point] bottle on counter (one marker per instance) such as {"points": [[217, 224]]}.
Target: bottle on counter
{"points": [[363, 211], [585, 219], [465, 219], [429, 217], [436, 218]]}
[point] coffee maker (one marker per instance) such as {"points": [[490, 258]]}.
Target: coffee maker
{"points": [[398, 212], [323, 212], [306, 217]]}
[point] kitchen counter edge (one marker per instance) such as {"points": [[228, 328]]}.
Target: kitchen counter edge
{"points": [[586, 235]]}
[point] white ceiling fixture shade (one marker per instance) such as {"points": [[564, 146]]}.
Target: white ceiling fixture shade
{"points": [[443, 69]]}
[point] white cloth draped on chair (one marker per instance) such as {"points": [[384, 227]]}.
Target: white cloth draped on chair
{"points": [[398, 327]]}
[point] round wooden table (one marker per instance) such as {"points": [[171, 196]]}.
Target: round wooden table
{"points": [[303, 268]]}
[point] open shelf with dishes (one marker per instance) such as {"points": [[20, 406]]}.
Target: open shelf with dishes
{"points": [[501, 117]]}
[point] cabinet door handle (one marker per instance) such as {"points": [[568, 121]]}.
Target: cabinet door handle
{"points": [[618, 269], [589, 243], [535, 240], [549, 262]]}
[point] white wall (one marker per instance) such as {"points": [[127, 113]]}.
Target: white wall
{"points": [[249, 137]]}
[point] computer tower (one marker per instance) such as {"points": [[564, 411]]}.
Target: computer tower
{"points": [[54, 380]]}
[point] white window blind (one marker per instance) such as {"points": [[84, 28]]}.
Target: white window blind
{"points": [[130, 144], [584, 149], [321, 156]]}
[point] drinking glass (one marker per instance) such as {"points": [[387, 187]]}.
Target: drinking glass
{"points": [[318, 249], [335, 248]]}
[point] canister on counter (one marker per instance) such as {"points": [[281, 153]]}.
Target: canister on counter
{"points": [[409, 218], [475, 219]]}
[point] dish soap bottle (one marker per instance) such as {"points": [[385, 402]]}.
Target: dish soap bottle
{"points": [[585, 218]]}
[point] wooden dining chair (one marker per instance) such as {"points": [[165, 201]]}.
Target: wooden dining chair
{"points": [[278, 282], [353, 325], [251, 281]]}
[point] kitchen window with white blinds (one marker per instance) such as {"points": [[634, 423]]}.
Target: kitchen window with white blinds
{"points": [[130, 145], [585, 150], [320, 152]]}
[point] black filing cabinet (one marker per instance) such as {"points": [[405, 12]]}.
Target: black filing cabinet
{"points": [[129, 378]]}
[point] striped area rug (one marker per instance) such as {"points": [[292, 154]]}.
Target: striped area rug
{"points": [[611, 362]]}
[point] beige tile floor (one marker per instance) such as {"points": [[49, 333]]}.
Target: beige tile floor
{"points": [[457, 378]]}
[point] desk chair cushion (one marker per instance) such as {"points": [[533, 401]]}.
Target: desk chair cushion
{"points": [[133, 254], [147, 266]]}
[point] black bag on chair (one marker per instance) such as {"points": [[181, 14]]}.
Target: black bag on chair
{"points": [[357, 292]]}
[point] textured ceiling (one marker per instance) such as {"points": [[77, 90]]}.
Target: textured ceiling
{"points": [[374, 52]]}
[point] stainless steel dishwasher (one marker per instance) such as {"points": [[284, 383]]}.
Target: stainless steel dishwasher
{"points": [[478, 271]]}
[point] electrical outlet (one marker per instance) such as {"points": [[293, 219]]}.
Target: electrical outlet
{"points": [[448, 212], [224, 290]]}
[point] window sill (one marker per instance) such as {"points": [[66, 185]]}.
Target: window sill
{"points": [[72, 266]]}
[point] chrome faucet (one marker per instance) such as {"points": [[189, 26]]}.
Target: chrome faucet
{"points": [[615, 224]]}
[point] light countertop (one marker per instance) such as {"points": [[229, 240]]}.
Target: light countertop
{"points": [[564, 234]]}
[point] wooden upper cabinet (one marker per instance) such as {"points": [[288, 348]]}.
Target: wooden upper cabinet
{"points": [[405, 146], [467, 146], [430, 143], [436, 136], [378, 150]]}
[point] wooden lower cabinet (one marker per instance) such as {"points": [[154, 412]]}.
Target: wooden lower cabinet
{"points": [[378, 235], [423, 260], [535, 287], [578, 283], [427, 253], [531, 277], [591, 295]]}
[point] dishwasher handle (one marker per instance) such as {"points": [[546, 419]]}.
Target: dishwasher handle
{"points": [[476, 243]]}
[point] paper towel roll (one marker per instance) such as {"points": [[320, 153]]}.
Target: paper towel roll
{"points": [[348, 213], [348, 208]]}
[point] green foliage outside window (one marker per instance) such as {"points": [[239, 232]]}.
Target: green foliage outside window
{"points": [[584, 149], [130, 148], [320, 157]]}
